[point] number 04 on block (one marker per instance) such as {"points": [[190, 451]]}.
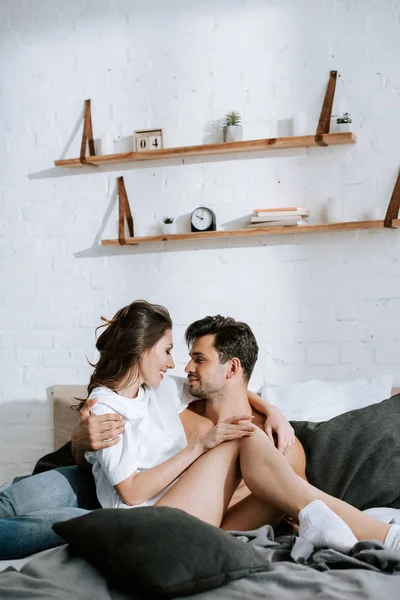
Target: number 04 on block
{"points": [[147, 140]]}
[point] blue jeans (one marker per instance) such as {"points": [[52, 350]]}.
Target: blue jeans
{"points": [[30, 507]]}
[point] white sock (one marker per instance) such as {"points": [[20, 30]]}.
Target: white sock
{"points": [[324, 529], [392, 539]]}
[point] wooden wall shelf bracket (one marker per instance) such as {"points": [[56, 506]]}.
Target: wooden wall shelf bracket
{"points": [[393, 209], [124, 212], [87, 135], [324, 122]]}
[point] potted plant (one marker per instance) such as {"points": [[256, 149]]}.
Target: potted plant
{"points": [[344, 122], [233, 130], [168, 225]]}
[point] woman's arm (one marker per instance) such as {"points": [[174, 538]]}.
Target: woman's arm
{"points": [[139, 487], [274, 423], [259, 404]]}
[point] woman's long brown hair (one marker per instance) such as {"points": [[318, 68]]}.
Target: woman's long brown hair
{"points": [[133, 330]]}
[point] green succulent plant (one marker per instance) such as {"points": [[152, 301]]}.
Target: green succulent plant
{"points": [[168, 220], [232, 118], [345, 118]]}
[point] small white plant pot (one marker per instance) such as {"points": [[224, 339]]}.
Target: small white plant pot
{"points": [[107, 143], [168, 228], [233, 133], [333, 128], [344, 127]]}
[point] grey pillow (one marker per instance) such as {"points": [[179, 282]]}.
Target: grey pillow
{"points": [[160, 551], [356, 456]]}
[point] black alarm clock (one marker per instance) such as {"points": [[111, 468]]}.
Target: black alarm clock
{"points": [[203, 219]]}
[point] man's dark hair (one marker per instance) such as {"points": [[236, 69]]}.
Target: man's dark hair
{"points": [[232, 339]]}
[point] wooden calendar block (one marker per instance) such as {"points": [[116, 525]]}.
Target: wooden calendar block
{"points": [[148, 139], [155, 142]]}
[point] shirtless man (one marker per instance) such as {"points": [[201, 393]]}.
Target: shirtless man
{"points": [[98, 432]]}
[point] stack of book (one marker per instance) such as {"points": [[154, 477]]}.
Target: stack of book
{"points": [[292, 216]]}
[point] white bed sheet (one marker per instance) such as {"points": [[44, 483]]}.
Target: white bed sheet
{"points": [[18, 563], [384, 514]]}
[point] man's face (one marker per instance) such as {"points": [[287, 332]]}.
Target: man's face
{"points": [[206, 375]]}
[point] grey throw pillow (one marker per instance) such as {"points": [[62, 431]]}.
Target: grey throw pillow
{"points": [[356, 456], [160, 551]]}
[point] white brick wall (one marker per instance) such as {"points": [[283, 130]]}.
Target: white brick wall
{"points": [[321, 306]]}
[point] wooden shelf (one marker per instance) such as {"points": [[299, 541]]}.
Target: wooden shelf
{"points": [[305, 141], [349, 226]]}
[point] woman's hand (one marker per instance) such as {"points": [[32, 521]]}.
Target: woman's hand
{"points": [[278, 424], [96, 432], [235, 427]]}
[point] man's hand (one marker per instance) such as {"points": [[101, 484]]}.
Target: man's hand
{"points": [[278, 424], [96, 432]]}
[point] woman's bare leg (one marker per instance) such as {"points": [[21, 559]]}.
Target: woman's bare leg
{"points": [[252, 512], [207, 486], [269, 476]]}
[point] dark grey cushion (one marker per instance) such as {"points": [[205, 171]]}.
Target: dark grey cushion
{"points": [[160, 551], [356, 456]]}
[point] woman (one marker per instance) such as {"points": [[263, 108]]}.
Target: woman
{"points": [[154, 465]]}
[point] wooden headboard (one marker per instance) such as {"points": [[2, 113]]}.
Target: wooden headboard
{"points": [[66, 419]]}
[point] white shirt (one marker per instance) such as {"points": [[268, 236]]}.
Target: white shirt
{"points": [[153, 433]]}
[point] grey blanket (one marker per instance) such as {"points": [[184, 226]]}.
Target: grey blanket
{"points": [[370, 572]]}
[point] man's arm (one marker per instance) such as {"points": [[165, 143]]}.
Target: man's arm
{"points": [[94, 432], [274, 423], [102, 431]]}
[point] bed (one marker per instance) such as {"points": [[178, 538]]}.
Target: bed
{"points": [[371, 572]]}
